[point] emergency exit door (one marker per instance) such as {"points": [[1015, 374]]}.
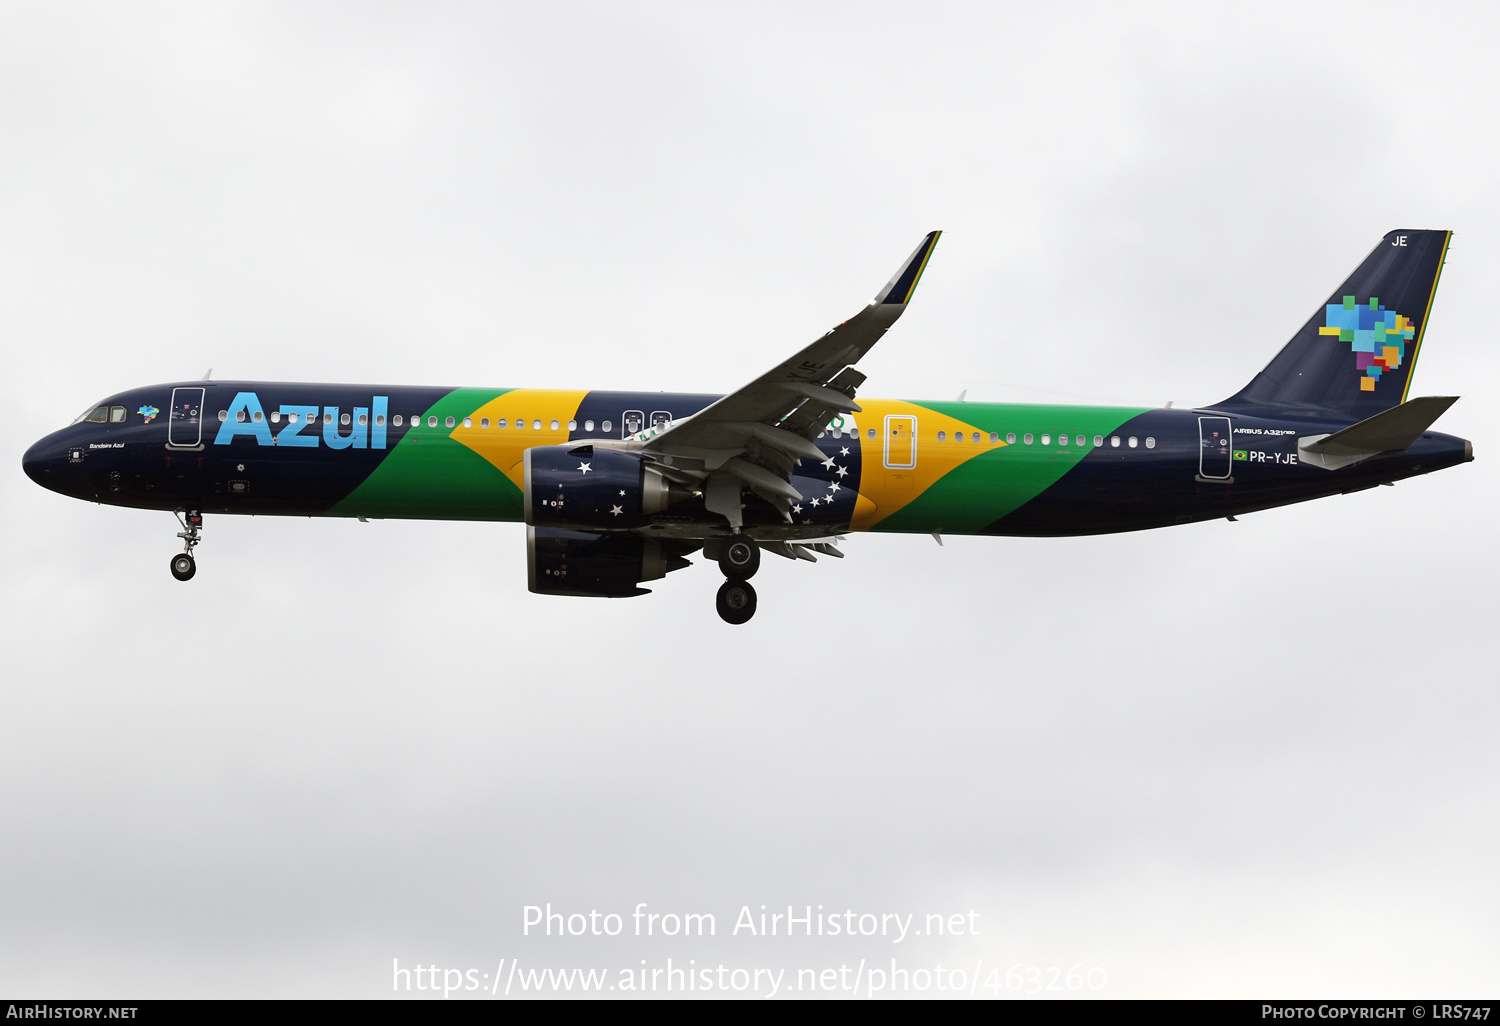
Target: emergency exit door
{"points": [[1215, 451], [900, 442], [185, 425]]}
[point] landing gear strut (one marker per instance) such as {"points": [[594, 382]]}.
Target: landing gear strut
{"points": [[739, 558], [183, 565]]}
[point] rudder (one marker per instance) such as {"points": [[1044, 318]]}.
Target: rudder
{"points": [[1355, 357]]}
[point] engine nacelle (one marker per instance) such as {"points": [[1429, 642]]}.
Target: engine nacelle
{"points": [[584, 487], [560, 562]]}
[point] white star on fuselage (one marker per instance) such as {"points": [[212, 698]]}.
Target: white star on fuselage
{"points": [[843, 471], [584, 468], [828, 463], [616, 510], [844, 451]]}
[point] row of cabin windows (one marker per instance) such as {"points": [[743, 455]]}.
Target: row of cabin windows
{"points": [[1080, 441], [1010, 439], [116, 415], [397, 421]]}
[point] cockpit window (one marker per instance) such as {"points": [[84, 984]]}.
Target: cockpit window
{"points": [[103, 415]]}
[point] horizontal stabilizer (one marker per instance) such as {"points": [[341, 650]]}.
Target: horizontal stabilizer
{"points": [[1391, 431]]}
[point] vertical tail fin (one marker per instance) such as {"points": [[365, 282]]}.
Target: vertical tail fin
{"points": [[1356, 355]]}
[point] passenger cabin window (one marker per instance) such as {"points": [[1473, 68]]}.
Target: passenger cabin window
{"points": [[468, 422], [555, 425], [432, 422], [942, 436], [1114, 441], [502, 423], [1010, 438], [1046, 439], [1131, 442], [1098, 441], [588, 425], [536, 425], [1150, 442], [605, 426], [572, 425], [239, 416], [872, 433], [450, 422], [344, 419], [396, 420], [1028, 438], [223, 416], [1080, 440]]}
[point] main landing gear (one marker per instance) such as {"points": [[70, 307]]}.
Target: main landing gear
{"points": [[739, 558], [183, 565]]}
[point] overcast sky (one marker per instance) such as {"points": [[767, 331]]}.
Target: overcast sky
{"points": [[1225, 759]]}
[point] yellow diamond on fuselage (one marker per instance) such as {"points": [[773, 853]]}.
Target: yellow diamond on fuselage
{"points": [[528, 416]]}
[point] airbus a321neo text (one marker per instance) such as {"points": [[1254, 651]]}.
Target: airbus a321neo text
{"points": [[617, 488]]}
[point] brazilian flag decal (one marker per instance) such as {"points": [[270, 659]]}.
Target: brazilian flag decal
{"points": [[1241, 454]]}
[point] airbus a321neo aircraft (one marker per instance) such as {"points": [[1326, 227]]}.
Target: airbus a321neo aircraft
{"points": [[616, 488]]}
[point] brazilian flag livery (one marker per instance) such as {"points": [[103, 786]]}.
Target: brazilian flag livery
{"points": [[617, 488]]}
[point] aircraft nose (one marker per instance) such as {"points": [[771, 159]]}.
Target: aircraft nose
{"points": [[44, 462], [32, 461]]}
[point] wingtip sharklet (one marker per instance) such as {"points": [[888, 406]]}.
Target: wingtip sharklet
{"points": [[898, 290]]}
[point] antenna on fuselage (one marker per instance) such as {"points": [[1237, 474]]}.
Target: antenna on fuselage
{"points": [[207, 374]]}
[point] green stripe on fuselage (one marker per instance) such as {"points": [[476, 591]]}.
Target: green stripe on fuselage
{"points": [[997, 481], [430, 475]]}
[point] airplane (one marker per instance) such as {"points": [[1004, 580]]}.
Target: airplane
{"points": [[617, 488]]}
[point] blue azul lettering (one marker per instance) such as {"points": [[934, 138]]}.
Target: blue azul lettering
{"points": [[331, 436], [377, 432], [245, 416], [253, 424], [297, 418]]}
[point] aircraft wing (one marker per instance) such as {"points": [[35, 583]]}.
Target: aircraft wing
{"points": [[754, 436]]}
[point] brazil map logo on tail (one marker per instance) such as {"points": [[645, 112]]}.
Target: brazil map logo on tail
{"points": [[1377, 336]]}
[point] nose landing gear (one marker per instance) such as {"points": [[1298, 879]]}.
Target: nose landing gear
{"points": [[183, 565], [739, 558]]}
